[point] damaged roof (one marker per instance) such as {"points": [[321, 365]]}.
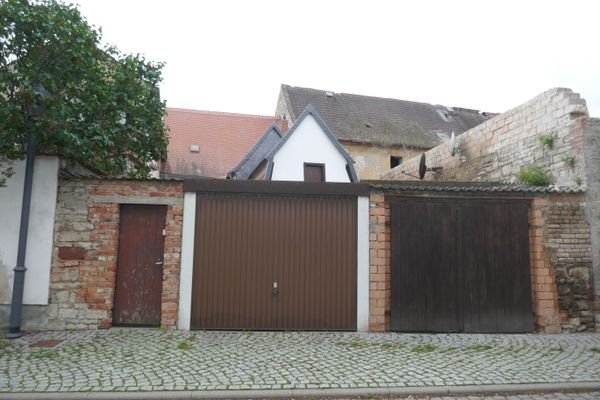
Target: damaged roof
{"points": [[382, 121], [481, 187]]}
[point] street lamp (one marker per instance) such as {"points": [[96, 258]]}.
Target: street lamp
{"points": [[35, 110]]}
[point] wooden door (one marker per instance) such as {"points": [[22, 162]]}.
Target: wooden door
{"points": [[460, 265], [139, 265], [424, 274], [275, 262]]}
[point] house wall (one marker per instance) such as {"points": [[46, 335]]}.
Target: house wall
{"points": [[559, 255], [84, 258], [371, 161], [308, 144], [497, 149], [39, 243]]}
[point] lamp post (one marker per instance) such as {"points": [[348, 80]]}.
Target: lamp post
{"points": [[35, 111]]}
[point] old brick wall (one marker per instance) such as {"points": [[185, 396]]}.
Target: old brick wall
{"points": [[568, 249], [84, 260], [560, 256], [497, 149]]}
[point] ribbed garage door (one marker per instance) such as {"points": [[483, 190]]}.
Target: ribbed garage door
{"points": [[274, 262]]}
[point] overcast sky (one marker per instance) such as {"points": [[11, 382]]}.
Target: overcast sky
{"points": [[233, 55]]}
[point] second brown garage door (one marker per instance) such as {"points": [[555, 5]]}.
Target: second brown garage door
{"points": [[274, 262]]}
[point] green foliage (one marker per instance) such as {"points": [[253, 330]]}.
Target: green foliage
{"points": [[569, 160], [183, 345], [104, 110], [480, 347], [547, 139], [4, 343], [424, 348], [534, 176], [578, 181], [43, 354]]}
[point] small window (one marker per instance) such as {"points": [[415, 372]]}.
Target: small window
{"points": [[395, 161], [314, 172]]}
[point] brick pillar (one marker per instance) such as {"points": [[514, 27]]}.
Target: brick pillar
{"points": [[379, 263], [543, 279], [171, 267]]}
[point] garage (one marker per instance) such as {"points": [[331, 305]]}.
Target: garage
{"points": [[275, 256], [460, 265]]}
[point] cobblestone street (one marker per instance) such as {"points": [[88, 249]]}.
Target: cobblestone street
{"points": [[146, 359]]}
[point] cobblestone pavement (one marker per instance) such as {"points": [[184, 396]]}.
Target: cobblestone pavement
{"points": [[147, 359]]}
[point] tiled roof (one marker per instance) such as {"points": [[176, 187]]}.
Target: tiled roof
{"points": [[488, 187], [222, 140], [383, 121]]}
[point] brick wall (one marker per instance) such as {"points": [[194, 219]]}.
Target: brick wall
{"points": [[560, 256], [84, 260], [497, 149]]}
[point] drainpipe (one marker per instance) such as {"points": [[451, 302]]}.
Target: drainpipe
{"points": [[34, 111]]}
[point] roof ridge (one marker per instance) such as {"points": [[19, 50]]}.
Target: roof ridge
{"points": [[189, 110], [388, 98]]}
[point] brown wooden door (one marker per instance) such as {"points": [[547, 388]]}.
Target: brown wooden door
{"points": [[275, 262], [139, 265], [460, 266]]}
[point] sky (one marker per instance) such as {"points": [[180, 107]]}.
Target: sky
{"points": [[233, 56]]}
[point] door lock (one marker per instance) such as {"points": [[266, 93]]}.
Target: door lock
{"points": [[275, 289]]}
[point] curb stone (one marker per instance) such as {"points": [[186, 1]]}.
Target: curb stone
{"points": [[299, 393]]}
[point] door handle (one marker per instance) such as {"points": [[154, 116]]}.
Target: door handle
{"points": [[158, 263], [275, 289]]}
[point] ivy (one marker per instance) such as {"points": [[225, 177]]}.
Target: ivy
{"points": [[104, 110]]}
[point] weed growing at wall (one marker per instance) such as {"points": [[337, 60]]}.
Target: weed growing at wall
{"points": [[547, 139], [569, 160], [534, 176]]}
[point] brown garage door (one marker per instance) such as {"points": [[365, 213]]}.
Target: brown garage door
{"points": [[460, 266], [274, 262]]}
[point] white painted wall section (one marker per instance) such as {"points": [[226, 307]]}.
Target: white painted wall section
{"points": [[309, 144], [362, 258], [187, 261], [38, 257]]}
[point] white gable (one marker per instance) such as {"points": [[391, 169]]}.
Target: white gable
{"points": [[308, 144]]}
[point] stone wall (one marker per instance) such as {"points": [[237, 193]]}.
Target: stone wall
{"points": [[592, 165], [497, 149], [84, 260], [560, 257]]}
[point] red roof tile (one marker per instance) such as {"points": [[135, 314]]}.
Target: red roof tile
{"points": [[223, 140]]}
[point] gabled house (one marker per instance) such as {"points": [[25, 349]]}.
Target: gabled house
{"points": [[210, 144], [308, 152], [378, 132]]}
